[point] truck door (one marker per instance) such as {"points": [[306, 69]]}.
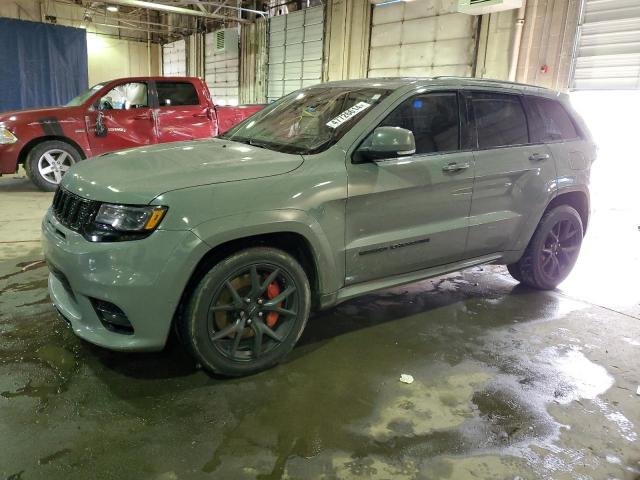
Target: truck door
{"points": [[183, 113], [126, 116]]}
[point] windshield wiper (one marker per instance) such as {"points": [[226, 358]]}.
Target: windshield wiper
{"points": [[253, 143]]}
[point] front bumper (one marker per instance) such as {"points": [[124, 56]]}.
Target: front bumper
{"points": [[9, 154], [144, 278]]}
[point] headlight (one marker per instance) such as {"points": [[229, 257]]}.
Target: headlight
{"points": [[125, 218], [6, 137], [118, 223]]}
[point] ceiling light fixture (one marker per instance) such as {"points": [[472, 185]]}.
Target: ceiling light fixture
{"points": [[112, 8]]}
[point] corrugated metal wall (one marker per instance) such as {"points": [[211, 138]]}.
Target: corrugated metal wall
{"points": [[174, 59], [295, 51], [253, 62], [222, 66], [608, 53], [421, 39]]}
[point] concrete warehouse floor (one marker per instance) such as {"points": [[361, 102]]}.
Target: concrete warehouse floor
{"points": [[509, 382]]}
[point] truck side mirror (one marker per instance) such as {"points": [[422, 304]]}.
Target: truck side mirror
{"points": [[101, 129]]}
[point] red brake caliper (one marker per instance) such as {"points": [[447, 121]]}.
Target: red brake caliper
{"points": [[273, 290]]}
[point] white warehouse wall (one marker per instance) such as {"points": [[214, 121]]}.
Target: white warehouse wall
{"points": [[111, 58]]}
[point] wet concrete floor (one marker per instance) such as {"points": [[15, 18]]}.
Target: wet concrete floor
{"points": [[510, 383]]}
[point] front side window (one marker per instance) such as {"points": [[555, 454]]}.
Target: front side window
{"points": [[433, 118], [500, 120], [84, 96], [551, 122], [309, 120], [125, 97], [173, 94]]}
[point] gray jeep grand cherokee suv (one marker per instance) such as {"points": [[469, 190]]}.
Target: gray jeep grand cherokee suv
{"points": [[331, 192]]}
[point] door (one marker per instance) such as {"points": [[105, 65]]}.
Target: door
{"points": [[410, 213], [421, 39], [514, 176], [126, 116], [183, 113], [174, 59], [607, 53], [295, 51]]}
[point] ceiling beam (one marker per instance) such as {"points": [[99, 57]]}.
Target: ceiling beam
{"points": [[162, 7]]}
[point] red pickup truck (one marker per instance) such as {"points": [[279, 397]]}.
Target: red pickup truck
{"points": [[123, 113]]}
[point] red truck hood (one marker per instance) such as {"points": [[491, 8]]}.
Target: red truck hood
{"points": [[27, 116]]}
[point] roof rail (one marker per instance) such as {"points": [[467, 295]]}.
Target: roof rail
{"points": [[487, 80]]}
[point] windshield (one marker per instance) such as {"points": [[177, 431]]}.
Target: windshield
{"points": [[307, 121], [84, 96]]}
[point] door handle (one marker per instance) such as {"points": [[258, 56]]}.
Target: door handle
{"points": [[200, 115], [142, 116], [455, 167], [538, 157]]}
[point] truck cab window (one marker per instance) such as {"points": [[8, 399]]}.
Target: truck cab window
{"points": [[173, 94], [125, 97]]}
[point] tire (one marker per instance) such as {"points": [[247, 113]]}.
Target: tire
{"points": [[514, 271], [553, 249], [231, 336], [48, 161]]}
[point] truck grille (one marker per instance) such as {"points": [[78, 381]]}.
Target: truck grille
{"points": [[72, 211]]}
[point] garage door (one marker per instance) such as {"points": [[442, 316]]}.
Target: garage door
{"points": [[222, 65], [174, 59], [608, 52], [421, 39], [295, 51]]}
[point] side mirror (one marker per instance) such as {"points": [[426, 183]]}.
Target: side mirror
{"points": [[387, 142], [101, 129]]}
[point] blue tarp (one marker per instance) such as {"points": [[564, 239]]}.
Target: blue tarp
{"points": [[41, 65]]}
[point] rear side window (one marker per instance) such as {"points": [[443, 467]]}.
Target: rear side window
{"points": [[433, 118], [500, 120], [172, 94], [550, 121]]}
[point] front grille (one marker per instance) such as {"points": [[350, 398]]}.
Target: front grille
{"points": [[72, 211]]}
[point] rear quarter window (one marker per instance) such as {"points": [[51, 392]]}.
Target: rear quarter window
{"points": [[173, 94], [550, 121]]}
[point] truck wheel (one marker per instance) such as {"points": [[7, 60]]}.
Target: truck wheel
{"points": [[48, 161], [553, 249], [247, 312]]}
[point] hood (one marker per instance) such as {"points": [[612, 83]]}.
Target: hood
{"points": [[138, 175], [22, 116]]}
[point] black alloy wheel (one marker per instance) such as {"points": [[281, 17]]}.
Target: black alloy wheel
{"points": [[252, 312], [247, 312], [560, 249], [552, 251]]}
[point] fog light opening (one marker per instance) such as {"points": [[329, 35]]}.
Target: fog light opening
{"points": [[111, 317]]}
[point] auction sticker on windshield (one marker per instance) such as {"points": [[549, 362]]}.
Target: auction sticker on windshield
{"points": [[348, 114]]}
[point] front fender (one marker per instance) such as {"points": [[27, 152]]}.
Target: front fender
{"points": [[329, 259]]}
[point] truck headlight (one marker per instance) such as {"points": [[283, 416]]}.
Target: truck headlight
{"points": [[127, 218], [6, 137]]}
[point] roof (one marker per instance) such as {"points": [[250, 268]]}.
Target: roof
{"points": [[147, 78], [457, 82]]}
